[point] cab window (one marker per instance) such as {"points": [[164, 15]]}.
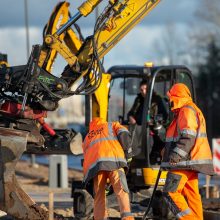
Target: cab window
{"points": [[183, 77], [122, 94]]}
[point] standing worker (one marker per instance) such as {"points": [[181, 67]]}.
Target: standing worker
{"points": [[186, 153], [106, 151]]}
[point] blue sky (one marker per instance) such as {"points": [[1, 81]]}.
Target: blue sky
{"points": [[136, 48], [12, 12]]}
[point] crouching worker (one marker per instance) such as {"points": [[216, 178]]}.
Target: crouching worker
{"points": [[187, 152], [106, 151]]}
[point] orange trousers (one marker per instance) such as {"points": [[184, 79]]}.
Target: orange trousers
{"points": [[181, 193], [119, 183]]}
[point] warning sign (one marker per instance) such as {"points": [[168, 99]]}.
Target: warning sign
{"points": [[216, 154]]}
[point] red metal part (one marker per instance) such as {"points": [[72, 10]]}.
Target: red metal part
{"points": [[14, 109], [46, 126]]}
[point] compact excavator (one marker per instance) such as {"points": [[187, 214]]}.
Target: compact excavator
{"points": [[29, 91], [123, 87], [105, 103]]}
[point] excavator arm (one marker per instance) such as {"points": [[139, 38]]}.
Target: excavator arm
{"points": [[34, 87], [29, 91], [58, 18], [116, 20], [42, 90], [83, 56]]}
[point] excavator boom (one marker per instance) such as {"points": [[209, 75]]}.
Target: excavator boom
{"points": [[35, 90], [116, 20], [129, 14]]}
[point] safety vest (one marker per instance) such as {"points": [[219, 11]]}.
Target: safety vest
{"points": [[186, 136], [197, 157], [102, 150]]}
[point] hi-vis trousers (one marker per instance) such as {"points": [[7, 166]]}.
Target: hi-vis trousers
{"points": [[119, 183], [181, 193]]}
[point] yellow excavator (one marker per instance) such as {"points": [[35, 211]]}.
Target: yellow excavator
{"points": [[123, 87], [28, 91], [112, 100]]}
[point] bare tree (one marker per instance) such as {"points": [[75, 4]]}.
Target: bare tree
{"points": [[169, 46], [204, 30], [209, 11], [205, 40]]}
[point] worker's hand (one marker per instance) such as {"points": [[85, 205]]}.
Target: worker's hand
{"points": [[174, 158], [108, 188], [129, 160], [172, 162], [132, 120]]}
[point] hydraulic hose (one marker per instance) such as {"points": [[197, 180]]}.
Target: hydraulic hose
{"points": [[85, 9], [152, 196]]}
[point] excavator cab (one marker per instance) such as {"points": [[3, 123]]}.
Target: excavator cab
{"points": [[148, 137]]}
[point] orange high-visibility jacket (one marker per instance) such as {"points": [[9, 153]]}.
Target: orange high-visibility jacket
{"points": [[186, 138], [104, 147]]}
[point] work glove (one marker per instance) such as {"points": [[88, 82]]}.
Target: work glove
{"points": [[128, 163], [128, 154], [174, 158], [108, 190], [129, 160]]}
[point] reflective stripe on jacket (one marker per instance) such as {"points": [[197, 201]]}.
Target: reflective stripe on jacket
{"points": [[102, 148], [186, 139]]}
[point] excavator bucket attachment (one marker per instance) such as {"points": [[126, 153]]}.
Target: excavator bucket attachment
{"points": [[13, 199]]}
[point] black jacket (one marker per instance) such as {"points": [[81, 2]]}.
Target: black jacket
{"points": [[157, 107]]}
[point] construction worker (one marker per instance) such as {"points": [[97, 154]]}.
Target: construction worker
{"points": [[186, 153], [106, 151]]}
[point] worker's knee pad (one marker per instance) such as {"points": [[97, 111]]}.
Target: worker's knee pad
{"points": [[171, 204], [172, 182], [123, 180]]}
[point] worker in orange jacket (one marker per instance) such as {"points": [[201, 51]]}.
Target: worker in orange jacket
{"points": [[106, 151], [186, 153]]}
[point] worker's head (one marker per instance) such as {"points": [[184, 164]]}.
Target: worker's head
{"points": [[179, 95], [143, 88]]}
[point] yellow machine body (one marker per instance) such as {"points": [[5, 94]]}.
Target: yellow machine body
{"points": [[150, 176], [59, 17], [100, 98]]}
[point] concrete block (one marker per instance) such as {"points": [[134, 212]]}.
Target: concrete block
{"points": [[58, 171]]}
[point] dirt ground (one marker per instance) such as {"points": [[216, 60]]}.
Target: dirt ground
{"points": [[34, 180]]}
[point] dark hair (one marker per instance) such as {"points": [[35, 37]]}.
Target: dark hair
{"points": [[143, 82]]}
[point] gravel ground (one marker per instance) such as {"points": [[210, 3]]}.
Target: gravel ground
{"points": [[34, 181]]}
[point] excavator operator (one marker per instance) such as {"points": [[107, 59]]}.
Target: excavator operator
{"points": [[106, 154], [158, 107], [186, 153]]}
